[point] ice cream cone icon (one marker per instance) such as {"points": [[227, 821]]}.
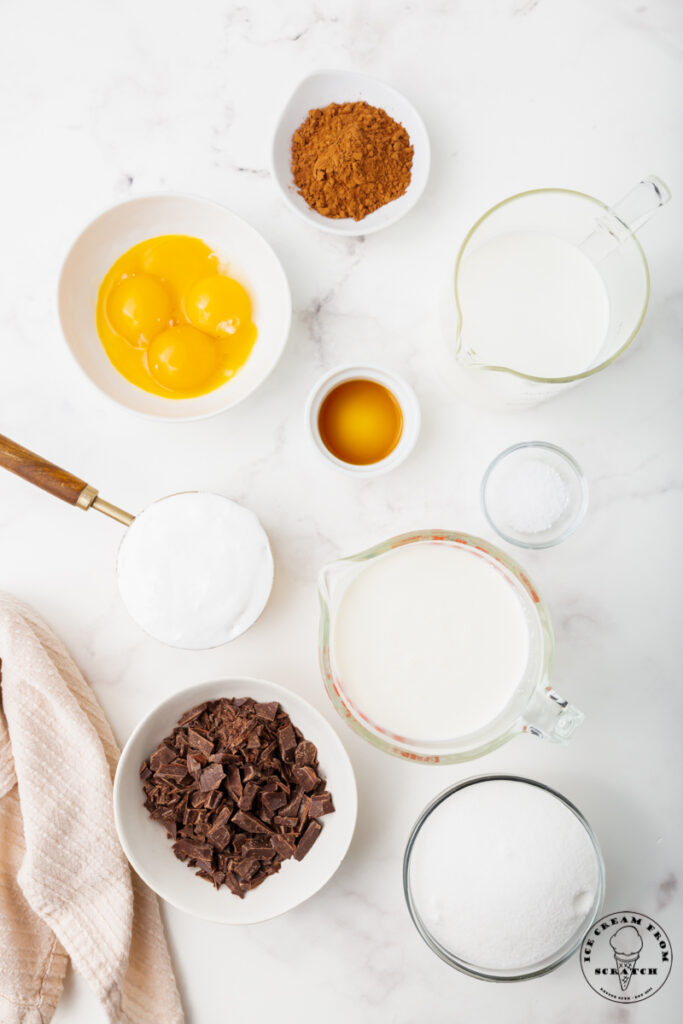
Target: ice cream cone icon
{"points": [[626, 944]]}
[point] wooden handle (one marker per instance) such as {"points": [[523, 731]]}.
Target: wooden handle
{"points": [[40, 472]]}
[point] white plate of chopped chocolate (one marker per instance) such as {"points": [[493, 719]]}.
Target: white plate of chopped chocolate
{"points": [[235, 800]]}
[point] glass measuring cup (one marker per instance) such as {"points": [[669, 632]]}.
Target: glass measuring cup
{"points": [[604, 235], [534, 706]]}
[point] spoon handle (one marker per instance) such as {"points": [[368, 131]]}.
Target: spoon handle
{"points": [[44, 474], [56, 481]]}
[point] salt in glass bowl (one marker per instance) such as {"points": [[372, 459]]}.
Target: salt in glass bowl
{"points": [[505, 490]]}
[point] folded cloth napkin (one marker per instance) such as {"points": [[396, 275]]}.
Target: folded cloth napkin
{"points": [[66, 890]]}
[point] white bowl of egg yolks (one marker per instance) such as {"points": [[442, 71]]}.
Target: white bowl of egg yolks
{"points": [[365, 420], [243, 254]]}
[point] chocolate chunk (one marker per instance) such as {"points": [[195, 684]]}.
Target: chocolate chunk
{"points": [[173, 772], [273, 801], [286, 741], [162, 755], [308, 838], [248, 822], [248, 794], [234, 783], [306, 753], [203, 743], [193, 713], [219, 836], [267, 711], [211, 777], [236, 787], [195, 763], [321, 803], [305, 777], [282, 846]]}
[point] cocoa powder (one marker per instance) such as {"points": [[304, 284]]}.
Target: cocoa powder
{"points": [[349, 159]]}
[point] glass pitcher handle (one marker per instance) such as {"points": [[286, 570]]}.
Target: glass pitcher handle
{"points": [[621, 220], [641, 203], [551, 717]]}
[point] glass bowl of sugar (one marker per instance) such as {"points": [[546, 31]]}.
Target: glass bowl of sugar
{"points": [[534, 494], [503, 877]]}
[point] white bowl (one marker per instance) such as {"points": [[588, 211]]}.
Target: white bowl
{"points": [[405, 397], [246, 253], [149, 851], [320, 89]]}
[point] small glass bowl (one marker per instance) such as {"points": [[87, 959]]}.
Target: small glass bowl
{"points": [[504, 478], [504, 974]]}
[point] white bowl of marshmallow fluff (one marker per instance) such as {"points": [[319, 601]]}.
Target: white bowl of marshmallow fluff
{"points": [[195, 570]]}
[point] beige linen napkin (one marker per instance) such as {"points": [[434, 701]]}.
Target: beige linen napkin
{"points": [[66, 890]]}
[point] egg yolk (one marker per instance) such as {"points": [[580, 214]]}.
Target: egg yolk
{"points": [[171, 321], [138, 308], [182, 358], [218, 305], [178, 260]]}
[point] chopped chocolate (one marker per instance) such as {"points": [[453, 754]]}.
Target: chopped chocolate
{"points": [[308, 838], [267, 711], [211, 777], [305, 777], [162, 755], [287, 741], [193, 713], [306, 753], [282, 846], [248, 795], [237, 788], [321, 803], [203, 743], [248, 822]]}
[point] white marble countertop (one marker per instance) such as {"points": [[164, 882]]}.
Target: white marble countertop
{"points": [[102, 101]]}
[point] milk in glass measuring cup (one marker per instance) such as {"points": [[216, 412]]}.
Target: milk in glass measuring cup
{"points": [[435, 646], [551, 286]]}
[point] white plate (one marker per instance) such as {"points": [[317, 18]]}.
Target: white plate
{"points": [[320, 89], [149, 851], [248, 257]]}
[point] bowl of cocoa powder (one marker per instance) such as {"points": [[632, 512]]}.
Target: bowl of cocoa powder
{"points": [[350, 154]]}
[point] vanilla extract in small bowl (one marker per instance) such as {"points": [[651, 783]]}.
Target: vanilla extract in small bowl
{"points": [[363, 419]]}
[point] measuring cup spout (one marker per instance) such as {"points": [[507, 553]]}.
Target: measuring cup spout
{"points": [[623, 219]]}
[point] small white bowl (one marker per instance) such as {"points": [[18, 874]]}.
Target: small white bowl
{"points": [[149, 851], [321, 89], [247, 255], [402, 392]]}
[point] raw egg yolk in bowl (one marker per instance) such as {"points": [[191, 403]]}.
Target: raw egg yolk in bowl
{"points": [[171, 320]]}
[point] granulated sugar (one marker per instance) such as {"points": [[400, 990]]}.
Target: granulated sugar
{"points": [[504, 874], [195, 570]]}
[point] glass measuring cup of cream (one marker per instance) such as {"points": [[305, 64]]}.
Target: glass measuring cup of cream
{"points": [[435, 646], [550, 287]]}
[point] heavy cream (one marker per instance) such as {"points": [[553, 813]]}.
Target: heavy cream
{"points": [[430, 641], [195, 570]]}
